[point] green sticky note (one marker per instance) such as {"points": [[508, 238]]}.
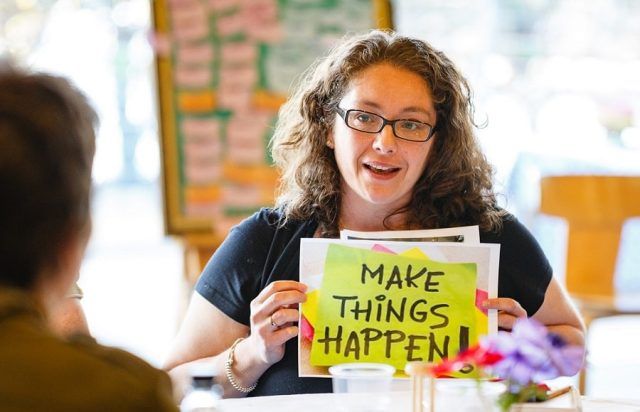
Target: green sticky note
{"points": [[379, 307]]}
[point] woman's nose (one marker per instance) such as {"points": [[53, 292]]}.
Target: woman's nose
{"points": [[385, 141]]}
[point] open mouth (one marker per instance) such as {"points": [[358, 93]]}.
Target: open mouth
{"points": [[381, 169]]}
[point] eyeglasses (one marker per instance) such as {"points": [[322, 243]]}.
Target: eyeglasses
{"points": [[411, 130]]}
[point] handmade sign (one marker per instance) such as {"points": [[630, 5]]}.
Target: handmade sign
{"points": [[392, 302]]}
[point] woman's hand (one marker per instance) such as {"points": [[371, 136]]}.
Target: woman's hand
{"points": [[273, 319], [508, 311]]}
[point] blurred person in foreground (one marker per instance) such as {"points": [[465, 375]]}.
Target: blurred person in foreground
{"points": [[47, 143], [378, 136], [68, 318]]}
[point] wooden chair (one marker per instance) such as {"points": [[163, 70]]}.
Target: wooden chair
{"points": [[595, 208]]}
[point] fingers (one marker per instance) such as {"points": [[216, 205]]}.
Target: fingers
{"points": [[269, 342], [280, 286], [273, 315], [509, 310], [506, 305], [283, 316], [275, 307], [276, 296], [286, 299], [281, 336], [277, 334]]}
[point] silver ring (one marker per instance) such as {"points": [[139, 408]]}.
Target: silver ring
{"points": [[272, 322]]}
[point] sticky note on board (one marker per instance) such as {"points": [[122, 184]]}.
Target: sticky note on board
{"points": [[310, 307], [346, 332], [415, 253]]}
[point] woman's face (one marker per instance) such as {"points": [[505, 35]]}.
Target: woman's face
{"points": [[379, 170]]}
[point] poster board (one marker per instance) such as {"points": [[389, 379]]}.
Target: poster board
{"points": [[392, 301], [224, 67]]}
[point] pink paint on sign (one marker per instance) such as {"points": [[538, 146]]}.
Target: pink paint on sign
{"points": [[481, 296]]}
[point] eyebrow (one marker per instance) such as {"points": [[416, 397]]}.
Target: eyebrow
{"points": [[409, 109]]}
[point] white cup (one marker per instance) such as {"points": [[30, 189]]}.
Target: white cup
{"points": [[362, 386], [467, 395]]}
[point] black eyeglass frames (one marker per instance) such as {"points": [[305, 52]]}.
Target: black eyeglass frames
{"points": [[367, 122]]}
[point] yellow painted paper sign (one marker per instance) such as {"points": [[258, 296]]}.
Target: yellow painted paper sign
{"points": [[378, 307], [481, 318]]}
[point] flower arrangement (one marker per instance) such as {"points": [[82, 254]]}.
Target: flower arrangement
{"points": [[521, 358]]}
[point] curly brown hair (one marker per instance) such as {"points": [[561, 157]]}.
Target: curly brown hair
{"points": [[456, 186]]}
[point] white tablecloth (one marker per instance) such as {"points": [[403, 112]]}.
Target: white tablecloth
{"points": [[400, 401]]}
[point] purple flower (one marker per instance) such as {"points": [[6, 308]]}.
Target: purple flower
{"points": [[532, 354]]}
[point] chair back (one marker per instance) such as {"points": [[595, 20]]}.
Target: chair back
{"points": [[595, 208]]}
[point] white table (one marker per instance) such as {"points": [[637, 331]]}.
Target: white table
{"points": [[400, 401]]}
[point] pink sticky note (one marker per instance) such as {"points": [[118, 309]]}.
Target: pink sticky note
{"points": [[190, 29], [236, 99], [189, 76], [201, 155], [182, 4], [202, 173], [271, 33], [245, 139], [191, 33], [231, 24], [246, 156], [481, 296], [187, 13], [190, 54], [239, 76], [306, 330], [203, 149], [221, 5], [247, 126], [242, 195], [382, 249], [258, 12], [207, 209], [200, 128], [236, 52]]}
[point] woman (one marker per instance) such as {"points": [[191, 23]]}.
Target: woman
{"points": [[378, 136]]}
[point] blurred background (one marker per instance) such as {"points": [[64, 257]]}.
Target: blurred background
{"points": [[557, 89]]}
